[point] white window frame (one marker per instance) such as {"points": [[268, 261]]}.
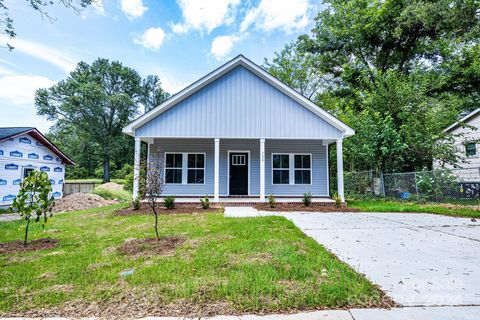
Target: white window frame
{"points": [[291, 168], [476, 150], [185, 168]]}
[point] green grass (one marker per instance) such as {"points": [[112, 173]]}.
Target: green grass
{"points": [[397, 206], [238, 265], [121, 195], [95, 180]]}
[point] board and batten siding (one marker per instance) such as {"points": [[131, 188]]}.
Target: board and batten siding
{"points": [[25, 151], [239, 105], [319, 186]]}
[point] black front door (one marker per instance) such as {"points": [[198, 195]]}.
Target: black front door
{"points": [[239, 173]]}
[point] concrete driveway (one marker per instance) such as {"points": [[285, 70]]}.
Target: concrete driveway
{"points": [[418, 259]]}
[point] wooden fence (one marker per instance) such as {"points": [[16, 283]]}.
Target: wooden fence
{"points": [[78, 187]]}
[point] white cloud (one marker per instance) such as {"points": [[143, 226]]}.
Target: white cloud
{"points": [[288, 15], [133, 8], [20, 89], [222, 46], [205, 14], [98, 7], [152, 38], [42, 52]]}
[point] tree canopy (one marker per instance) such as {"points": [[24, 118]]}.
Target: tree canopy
{"points": [[398, 72], [90, 108]]}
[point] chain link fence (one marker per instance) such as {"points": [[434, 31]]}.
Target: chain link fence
{"points": [[447, 186]]}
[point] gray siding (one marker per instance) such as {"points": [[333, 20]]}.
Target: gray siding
{"points": [[319, 186], [239, 105]]}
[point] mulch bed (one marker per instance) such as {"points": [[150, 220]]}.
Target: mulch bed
{"points": [[179, 209], [151, 246], [17, 245], [287, 207]]}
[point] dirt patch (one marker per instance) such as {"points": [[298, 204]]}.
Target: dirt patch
{"points": [[80, 201], [179, 209], [151, 246], [17, 246], [287, 207], [112, 186]]}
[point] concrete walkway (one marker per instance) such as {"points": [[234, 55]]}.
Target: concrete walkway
{"points": [[418, 259], [9, 217]]}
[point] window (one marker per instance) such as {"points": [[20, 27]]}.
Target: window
{"points": [[185, 168], [302, 169], [173, 167], [291, 169], [196, 168], [238, 160], [470, 149], [281, 168], [27, 171]]}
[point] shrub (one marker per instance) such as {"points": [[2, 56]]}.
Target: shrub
{"points": [[338, 200], [136, 203], [205, 202], [120, 195], [128, 185], [307, 199], [123, 171], [169, 202], [271, 201], [76, 172]]}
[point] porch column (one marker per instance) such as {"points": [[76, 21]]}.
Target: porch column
{"points": [[262, 170], [340, 170], [216, 178], [136, 167]]}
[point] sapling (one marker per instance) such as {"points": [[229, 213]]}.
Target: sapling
{"points": [[34, 198], [154, 184]]}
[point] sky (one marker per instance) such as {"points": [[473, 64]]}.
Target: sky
{"points": [[180, 41]]}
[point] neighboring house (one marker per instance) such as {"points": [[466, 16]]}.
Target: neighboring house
{"points": [[23, 150], [467, 140], [240, 132]]}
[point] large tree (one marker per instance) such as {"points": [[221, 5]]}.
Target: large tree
{"points": [[97, 100], [398, 72], [40, 6], [152, 93]]}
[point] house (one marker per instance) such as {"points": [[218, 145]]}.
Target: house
{"points": [[22, 150], [466, 133], [240, 132]]}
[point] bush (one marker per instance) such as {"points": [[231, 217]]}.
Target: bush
{"points": [[169, 202], [76, 172], [307, 199], [120, 195], [123, 172], [128, 185], [205, 202], [136, 203], [271, 201], [338, 200]]}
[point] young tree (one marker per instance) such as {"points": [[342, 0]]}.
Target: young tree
{"points": [[98, 100], [154, 184], [34, 197]]}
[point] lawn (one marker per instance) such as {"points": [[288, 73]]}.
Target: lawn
{"points": [[397, 206], [225, 266]]}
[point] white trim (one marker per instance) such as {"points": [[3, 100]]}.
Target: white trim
{"points": [[463, 119], [216, 170], [328, 168], [309, 138], [136, 167], [340, 186], [228, 169], [262, 170], [185, 168], [291, 168], [258, 71]]}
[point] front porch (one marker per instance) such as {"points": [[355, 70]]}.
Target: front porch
{"points": [[246, 201], [243, 171]]}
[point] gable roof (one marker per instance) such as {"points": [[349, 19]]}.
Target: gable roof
{"points": [[463, 120], [240, 60], [12, 132]]}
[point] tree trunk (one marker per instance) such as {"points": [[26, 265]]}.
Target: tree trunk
{"points": [[26, 232], [106, 169]]}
